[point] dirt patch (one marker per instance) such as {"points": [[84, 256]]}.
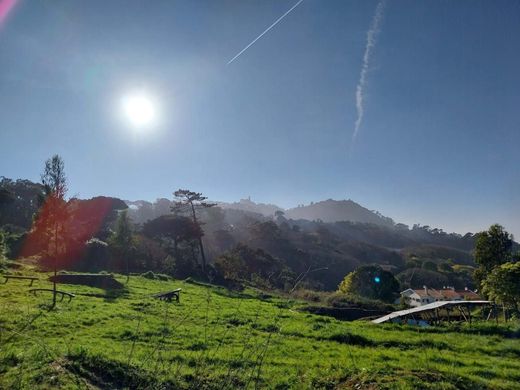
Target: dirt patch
{"points": [[109, 374], [104, 281], [396, 379], [344, 314]]}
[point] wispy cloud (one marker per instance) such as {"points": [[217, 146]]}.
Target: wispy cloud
{"points": [[372, 33], [265, 31]]}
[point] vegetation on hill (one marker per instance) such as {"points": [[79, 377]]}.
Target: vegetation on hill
{"points": [[335, 249], [336, 211], [190, 237], [371, 281]]}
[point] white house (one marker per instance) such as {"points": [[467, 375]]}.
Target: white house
{"points": [[421, 297], [427, 295]]}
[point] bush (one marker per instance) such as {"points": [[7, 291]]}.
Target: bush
{"points": [[246, 264], [342, 300], [153, 276], [309, 295], [371, 281], [148, 275]]}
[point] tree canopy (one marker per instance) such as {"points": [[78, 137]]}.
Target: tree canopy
{"points": [[174, 227], [503, 284], [192, 202], [492, 248], [122, 240], [370, 281]]}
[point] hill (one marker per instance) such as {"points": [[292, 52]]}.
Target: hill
{"points": [[306, 237], [218, 339], [264, 209], [336, 211]]}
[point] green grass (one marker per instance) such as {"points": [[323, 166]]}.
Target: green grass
{"points": [[217, 339]]}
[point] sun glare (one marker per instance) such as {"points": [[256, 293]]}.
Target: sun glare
{"points": [[139, 110]]}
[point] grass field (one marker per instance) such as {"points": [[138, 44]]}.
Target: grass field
{"points": [[218, 339]]}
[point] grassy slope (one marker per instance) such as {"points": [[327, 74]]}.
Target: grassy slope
{"points": [[216, 339]]}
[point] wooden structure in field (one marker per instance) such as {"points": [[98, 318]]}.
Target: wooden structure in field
{"points": [[31, 278], [169, 295], [436, 312]]}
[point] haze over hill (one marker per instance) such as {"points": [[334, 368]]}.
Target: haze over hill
{"points": [[249, 205], [338, 234], [326, 211], [338, 210], [335, 236]]}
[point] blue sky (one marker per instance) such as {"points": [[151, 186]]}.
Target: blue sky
{"points": [[438, 144]]}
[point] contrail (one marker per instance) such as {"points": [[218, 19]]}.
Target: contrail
{"points": [[266, 30], [371, 42]]}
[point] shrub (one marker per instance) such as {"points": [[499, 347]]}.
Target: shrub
{"points": [[309, 295], [371, 281], [342, 300], [148, 275]]}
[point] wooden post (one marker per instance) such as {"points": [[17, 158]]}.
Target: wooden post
{"points": [[55, 264], [462, 313]]}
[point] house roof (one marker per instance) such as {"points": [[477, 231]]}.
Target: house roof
{"points": [[449, 293], [471, 295], [444, 294], [428, 292], [421, 293]]}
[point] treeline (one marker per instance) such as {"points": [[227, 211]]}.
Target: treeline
{"points": [[187, 236]]}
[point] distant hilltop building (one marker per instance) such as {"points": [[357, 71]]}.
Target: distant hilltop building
{"points": [[427, 295]]}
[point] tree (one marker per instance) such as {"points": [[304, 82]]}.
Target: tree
{"points": [[3, 245], [162, 206], [122, 239], [244, 263], [445, 266], [370, 281], [503, 284], [145, 212], [191, 202], [19, 201], [52, 216], [279, 216], [492, 248], [172, 230], [430, 265], [6, 196]]}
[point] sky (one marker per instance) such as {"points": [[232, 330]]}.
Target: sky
{"points": [[437, 142]]}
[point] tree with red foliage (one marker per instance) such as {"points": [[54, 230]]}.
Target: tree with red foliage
{"points": [[53, 215]]}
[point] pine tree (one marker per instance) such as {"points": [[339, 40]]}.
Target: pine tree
{"points": [[191, 202]]}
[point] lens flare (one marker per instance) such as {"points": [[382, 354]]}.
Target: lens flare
{"points": [[5, 7]]}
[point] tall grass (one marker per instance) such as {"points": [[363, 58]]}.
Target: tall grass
{"points": [[215, 339]]}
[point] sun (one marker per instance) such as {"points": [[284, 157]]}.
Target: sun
{"points": [[139, 109]]}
